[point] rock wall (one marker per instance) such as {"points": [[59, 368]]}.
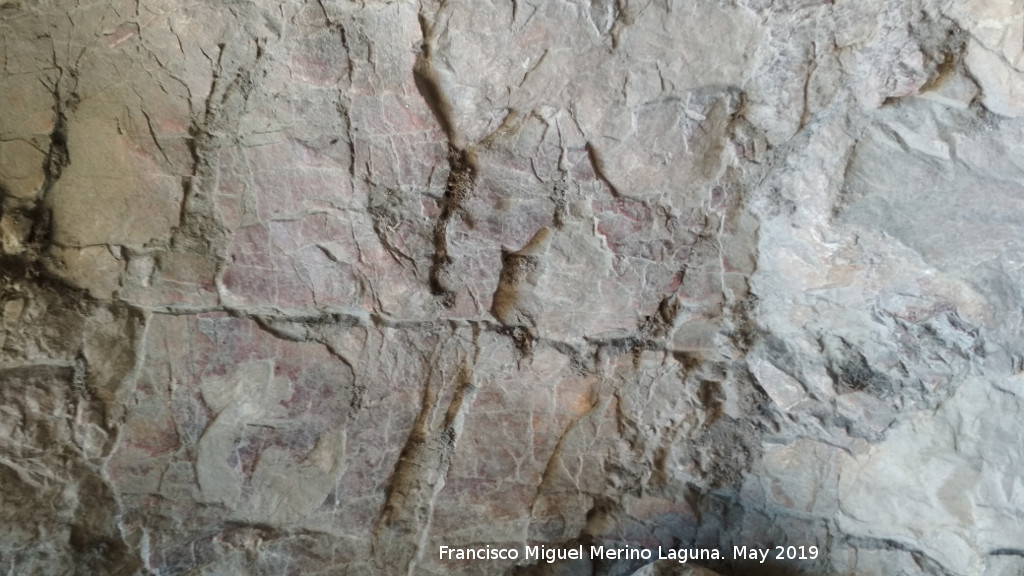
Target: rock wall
{"points": [[318, 287]]}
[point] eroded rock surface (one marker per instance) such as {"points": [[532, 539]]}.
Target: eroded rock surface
{"points": [[316, 287]]}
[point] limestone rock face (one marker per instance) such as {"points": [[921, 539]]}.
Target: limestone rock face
{"points": [[319, 287]]}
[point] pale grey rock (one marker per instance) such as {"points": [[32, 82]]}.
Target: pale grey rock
{"points": [[1003, 85], [318, 287]]}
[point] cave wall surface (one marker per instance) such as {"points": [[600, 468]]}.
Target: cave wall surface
{"points": [[317, 287]]}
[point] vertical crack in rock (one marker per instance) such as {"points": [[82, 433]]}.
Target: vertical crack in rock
{"points": [[200, 228], [429, 84], [461, 181], [57, 157], [598, 167], [462, 166], [516, 302], [419, 475], [26, 223], [555, 459]]}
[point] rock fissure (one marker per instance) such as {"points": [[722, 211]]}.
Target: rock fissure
{"points": [[321, 287]]}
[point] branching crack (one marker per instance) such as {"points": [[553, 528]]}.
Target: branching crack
{"points": [[200, 227], [462, 173]]}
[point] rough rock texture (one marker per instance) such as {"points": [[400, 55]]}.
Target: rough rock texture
{"points": [[316, 287]]}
